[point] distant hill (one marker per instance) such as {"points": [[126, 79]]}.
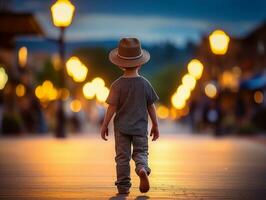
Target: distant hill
{"points": [[162, 54]]}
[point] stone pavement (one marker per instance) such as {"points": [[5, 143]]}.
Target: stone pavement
{"points": [[82, 167]]}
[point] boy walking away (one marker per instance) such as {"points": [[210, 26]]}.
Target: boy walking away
{"points": [[132, 98]]}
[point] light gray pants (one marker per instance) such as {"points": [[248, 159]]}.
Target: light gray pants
{"points": [[140, 153]]}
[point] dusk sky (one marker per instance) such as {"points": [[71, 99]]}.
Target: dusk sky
{"points": [[151, 21]]}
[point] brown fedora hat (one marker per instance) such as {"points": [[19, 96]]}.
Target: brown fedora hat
{"points": [[129, 53]]}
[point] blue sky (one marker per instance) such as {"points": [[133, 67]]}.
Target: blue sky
{"points": [[151, 20]]}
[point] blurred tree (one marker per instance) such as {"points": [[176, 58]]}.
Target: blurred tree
{"points": [[166, 81]]}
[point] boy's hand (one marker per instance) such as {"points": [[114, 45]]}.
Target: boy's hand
{"points": [[154, 133], [104, 132]]}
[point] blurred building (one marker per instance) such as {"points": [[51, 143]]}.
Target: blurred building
{"points": [[240, 79], [16, 101]]}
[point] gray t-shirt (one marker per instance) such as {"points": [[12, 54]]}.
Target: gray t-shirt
{"points": [[132, 96]]}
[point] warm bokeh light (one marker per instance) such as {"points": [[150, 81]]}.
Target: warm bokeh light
{"points": [[229, 79], [76, 69], [89, 90], [20, 90], [75, 105], [98, 83], [3, 78], [62, 13], [163, 112], [102, 94], [219, 42], [189, 81], [258, 97], [80, 73], [173, 113], [210, 90], [195, 68], [177, 102], [22, 56], [96, 88], [72, 64], [46, 91], [183, 92]]}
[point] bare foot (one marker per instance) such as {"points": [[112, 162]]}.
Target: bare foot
{"points": [[144, 184]]}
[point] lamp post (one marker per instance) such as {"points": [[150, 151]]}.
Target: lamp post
{"points": [[219, 42], [62, 14]]}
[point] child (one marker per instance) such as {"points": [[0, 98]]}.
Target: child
{"points": [[131, 97]]}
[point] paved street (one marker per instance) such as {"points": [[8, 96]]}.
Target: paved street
{"points": [[82, 167]]}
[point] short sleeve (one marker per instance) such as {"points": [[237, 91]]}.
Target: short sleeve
{"points": [[113, 96], [151, 95]]}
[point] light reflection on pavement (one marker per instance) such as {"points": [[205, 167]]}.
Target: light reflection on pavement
{"points": [[82, 167]]}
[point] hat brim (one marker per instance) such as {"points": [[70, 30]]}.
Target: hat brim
{"points": [[113, 57]]}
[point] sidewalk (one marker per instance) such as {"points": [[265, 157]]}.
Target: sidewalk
{"points": [[82, 167]]}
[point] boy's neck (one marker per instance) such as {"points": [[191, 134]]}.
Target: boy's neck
{"points": [[131, 73]]}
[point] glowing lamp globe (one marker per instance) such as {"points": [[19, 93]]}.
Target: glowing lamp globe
{"points": [[219, 42], [62, 13]]}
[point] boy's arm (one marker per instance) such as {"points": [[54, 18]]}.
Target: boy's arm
{"points": [[153, 116], [108, 116]]}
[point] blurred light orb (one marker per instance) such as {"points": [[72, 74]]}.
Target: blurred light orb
{"points": [[20, 90], [22, 56], [183, 92], [177, 102], [258, 97], [219, 42], [189, 81], [80, 73], [46, 91], [173, 113], [98, 83], [210, 90], [76, 69], [102, 94], [195, 68], [163, 112], [3, 78], [89, 90], [62, 13], [230, 80], [72, 64], [75, 105], [39, 92]]}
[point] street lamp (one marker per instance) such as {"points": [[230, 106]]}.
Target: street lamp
{"points": [[219, 42], [62, 14]]}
